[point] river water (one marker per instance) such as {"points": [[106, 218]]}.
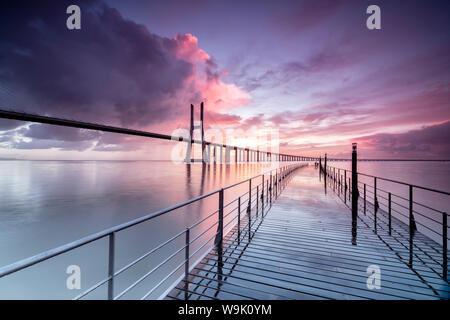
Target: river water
{"points": [[45, 204]]}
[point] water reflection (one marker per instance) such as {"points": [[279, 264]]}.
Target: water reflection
{"points": [[44, 204]]}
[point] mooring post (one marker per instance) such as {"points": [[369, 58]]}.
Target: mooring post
{"points": [[325, 167]]}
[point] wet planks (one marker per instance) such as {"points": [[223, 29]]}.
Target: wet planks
{"points": [[303, 249]]}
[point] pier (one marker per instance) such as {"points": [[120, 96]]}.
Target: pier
{"points": [[303, 248], [302, 229]]}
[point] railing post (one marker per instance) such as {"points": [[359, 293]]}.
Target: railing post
{"points": [[249, 208], [239, 219], [186, 265], [271, 187], [364, 199], [219, 236], [411, 229], [262, 196], [354, 189], [444, 244], [375, 203], [111, 266], [349, 190], [257, 200], [390, 213]]}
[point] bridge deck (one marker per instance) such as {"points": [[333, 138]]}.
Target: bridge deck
{"points": [[302, 249]]}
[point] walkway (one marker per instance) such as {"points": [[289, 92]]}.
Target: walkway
{"points": [[303, 249]]}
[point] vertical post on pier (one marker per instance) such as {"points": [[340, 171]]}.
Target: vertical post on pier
{"points": [[276, 184], [235, 154], [111, 266], [271, 186], [262, 196], [345, 182], [349, 184], [219, 236], [325, 167], [411, 225], [444, 244], [354, 193], [203, 133], [239, 220], [375, 203], [364, 199], [186, 264], [249, 208], [257, 200], [390, 213]]}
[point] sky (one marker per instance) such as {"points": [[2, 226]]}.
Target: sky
{"points": [[309, 70]]}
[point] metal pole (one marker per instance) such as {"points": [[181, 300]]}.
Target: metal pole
{"points": [[354, 188], [111, 266], [390, 214], [203, 133], [271, 186], [239, 219], [364, 198], [444, 244], [375, 202], [186, 265], [262, 196], [257, 200], [411, 229], [219, 236]]}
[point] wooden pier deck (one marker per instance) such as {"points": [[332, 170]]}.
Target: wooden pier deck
{"points": [[303, 249]]}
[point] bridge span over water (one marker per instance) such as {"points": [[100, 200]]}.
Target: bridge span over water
{"points": [[304, 230]]}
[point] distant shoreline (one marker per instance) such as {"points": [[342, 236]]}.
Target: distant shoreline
{"points": [[131, 160]]}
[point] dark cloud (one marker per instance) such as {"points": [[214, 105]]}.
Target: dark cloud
{"points": [[112, 70], [428, 142]]}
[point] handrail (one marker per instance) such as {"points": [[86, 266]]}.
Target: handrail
{"points": [[282, 172], [340, 181]]}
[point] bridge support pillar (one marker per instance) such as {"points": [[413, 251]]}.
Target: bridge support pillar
{"points": [[227, 155]]}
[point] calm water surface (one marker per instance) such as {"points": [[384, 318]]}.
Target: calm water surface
{"points": [[44, 204]]}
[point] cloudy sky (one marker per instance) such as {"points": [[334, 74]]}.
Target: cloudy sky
{"points": [[310, 69]]}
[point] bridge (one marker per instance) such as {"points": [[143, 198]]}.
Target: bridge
{"points": [[304, 230]]}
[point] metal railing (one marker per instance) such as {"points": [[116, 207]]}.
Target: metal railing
{"points": [[254, 201], [404, 209]]}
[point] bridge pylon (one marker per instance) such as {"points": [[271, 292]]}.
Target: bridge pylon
{"points": [[195, 125]]}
